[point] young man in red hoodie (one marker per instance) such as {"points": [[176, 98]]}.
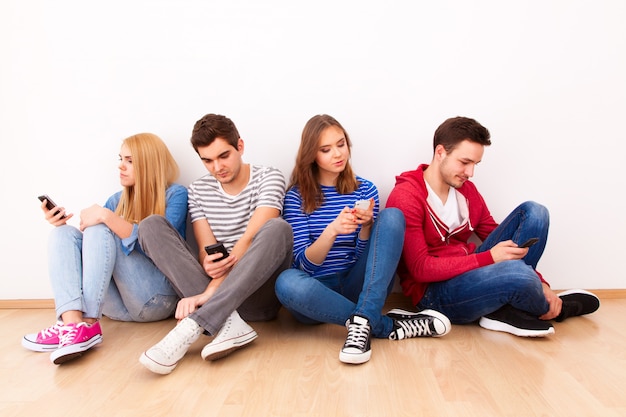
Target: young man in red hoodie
{"points": [[495, 282]]}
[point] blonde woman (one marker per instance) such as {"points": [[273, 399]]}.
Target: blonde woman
{"points": [[99, 268]]}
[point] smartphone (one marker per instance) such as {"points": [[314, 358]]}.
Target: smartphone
{"points": [[362, 204], [49, 203], [529, 242], [216, 248]]}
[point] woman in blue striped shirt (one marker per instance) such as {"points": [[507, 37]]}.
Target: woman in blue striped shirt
{"points": [[345, 250]]}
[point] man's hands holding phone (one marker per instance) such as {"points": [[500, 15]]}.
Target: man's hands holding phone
{"points": [[217, 263], [509, 250]]}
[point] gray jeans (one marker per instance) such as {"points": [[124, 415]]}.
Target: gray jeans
{"points": [[249, 287]]}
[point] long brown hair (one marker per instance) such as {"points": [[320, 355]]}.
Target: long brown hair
{"points": [[305, 174], [155, 169]]}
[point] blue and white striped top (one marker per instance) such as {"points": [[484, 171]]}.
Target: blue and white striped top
{"points": [[307, 228]]}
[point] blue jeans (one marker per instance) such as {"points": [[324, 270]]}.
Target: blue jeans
{"points": [[90, 273], [473, 294], [361, 290]]}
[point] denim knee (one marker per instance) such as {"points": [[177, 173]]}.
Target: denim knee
{"points": [[535, 211], [61, 234], [392, 218], [157, 308], [520, 277], [96, 231], [289, 286]]}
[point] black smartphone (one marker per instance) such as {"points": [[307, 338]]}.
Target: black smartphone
{"points": [[49, 203], [529, 242], [217, 248]]}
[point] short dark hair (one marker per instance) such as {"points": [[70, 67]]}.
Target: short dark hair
{"points": [[213, 126], [457, 129]]}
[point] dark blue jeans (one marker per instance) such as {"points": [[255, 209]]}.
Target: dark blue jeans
{"points": [[473, 294], [360, 290]]}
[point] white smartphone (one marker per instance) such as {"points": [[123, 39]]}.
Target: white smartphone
{"points": [[362, 204]]}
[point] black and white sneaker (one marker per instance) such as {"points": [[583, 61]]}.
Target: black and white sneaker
{"points": [[577, 303], [357, 349], [426, 323], [511, 320]]}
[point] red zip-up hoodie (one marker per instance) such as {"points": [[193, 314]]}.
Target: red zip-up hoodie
{"points": [[431, 251]]}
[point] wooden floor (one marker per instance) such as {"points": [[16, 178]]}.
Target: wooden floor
{"points": [[293, 370]]}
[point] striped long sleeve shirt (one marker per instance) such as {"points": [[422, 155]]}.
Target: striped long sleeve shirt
{"points": [[308, 227]]}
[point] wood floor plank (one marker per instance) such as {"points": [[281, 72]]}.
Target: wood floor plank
{"points": [[294, 370]]}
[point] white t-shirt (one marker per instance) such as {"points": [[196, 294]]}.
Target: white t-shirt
{"points": [[449, 212]]}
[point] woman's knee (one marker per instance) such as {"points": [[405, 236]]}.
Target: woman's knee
{"points": [[290, 285], [64, 233], [391, 219], [97, 230]]}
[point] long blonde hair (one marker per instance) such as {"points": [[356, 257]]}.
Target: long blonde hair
{"points": [[155, 169]]}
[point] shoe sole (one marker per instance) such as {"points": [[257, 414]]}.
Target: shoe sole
{"points": [[498, 326], [38, 347], [218, 351], [577, 291], [355, 359], [157, 368], [400, 314], [70, 352]]}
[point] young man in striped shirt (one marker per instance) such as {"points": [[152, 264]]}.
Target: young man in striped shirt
{"points": [[236, 204]]}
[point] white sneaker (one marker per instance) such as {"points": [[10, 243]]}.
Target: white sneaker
{"points": [[234, 334], [163, 357]]}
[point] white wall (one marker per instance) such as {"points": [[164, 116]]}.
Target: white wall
{"points": [[546, 77]]}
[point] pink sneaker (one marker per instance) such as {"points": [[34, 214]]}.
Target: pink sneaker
{"points": [[76, 338], [44, 341]]}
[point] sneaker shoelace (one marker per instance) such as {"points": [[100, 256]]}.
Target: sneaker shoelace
{"points": [[67, 334], [172, 343], [357, 335], [51, 331], [415, 327], [228, 324]]}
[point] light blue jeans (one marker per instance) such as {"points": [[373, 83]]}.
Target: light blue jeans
{"points": [[473, 294], [360, 290], [90, 273]]}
